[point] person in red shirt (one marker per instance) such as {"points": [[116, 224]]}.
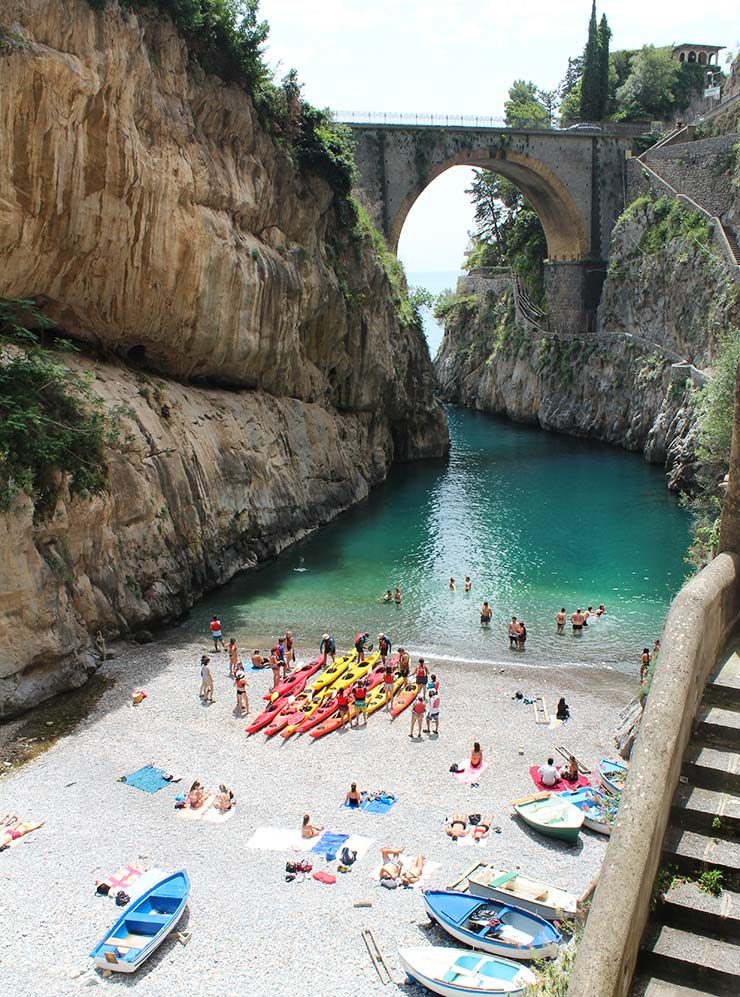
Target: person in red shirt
{"points": [[417, 714], [360, 701], [217, 634], [343, 704]]}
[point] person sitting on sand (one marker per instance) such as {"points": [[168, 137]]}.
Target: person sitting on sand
{"points": [[309, 830], [458, 827], [257, 660], [196, 797], [353, 797], [225, 799], [571, 773], [476, 756], [549, 773], [563, 710]]}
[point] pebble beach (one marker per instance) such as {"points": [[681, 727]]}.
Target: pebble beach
{"points": [[252, 933]]}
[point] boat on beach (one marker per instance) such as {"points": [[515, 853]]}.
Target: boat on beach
{"points": [[143, 926], [548, 814], [599, 810], [612, 775], [496, 928], [405, 698], [329, 675], [454, 972], [532, 895], [289, 685]]}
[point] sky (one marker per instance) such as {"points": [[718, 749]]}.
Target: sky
{"points": [[458, 57]]}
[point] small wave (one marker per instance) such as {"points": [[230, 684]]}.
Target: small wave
{"points": [[519, 661]]}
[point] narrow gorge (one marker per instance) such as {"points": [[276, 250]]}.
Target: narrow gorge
{"points": [[244, 339]]}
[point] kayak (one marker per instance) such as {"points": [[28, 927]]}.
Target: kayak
{"points": [[317, 716], [404, 699], [376, 700], [289, 684], [293, 711], [266, 716], [332, 722], [332, 673], [356, 671]]}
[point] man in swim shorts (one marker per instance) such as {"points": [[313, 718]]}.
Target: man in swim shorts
{"points": [[485, 614], [560, 620], [513, 633], [577, 619], [217, 634]]}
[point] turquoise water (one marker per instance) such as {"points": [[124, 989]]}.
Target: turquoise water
{"points": [[435, 281], [537, 521]]}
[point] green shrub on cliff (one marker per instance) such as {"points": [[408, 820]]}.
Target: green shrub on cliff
{"points": [[51, 424]]}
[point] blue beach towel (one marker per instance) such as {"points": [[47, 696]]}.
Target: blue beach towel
{"points": [[148, 779], [380, 806], [329, 845]]}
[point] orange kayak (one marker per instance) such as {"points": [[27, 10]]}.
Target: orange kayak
{"points": [[404, 699]]}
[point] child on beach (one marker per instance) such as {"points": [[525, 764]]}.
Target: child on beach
{"points": [[476, 756]]}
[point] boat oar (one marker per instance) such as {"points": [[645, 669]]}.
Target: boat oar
{"points": [[378, 959]]}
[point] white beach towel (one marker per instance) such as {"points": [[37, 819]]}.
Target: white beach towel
{"points": [[187, 813], [280, 839], [214, 816], [356, 843], [429, 869]]}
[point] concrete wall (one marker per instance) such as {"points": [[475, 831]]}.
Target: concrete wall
{"points": [[699, 624], [702, 170]]}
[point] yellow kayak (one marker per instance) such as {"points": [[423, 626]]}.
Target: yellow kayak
{"points": [[357, 670], [332, 673], [376, 699]]}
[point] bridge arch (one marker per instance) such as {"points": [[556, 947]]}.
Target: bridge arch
{"points": [[563, 224]]}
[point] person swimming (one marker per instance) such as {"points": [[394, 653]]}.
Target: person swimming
{"points": [[388, 597]]}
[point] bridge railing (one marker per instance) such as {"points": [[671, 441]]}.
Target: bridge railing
{"points": [[411, 118]]}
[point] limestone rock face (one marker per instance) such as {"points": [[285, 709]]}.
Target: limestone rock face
{"points": [[143, 203], [616, 384]]}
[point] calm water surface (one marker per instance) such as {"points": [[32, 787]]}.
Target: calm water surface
{"points": [[537, 521]]}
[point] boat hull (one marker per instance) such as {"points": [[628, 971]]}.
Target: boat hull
{"points": [[550, 816], [430, 965], [555, 905]]}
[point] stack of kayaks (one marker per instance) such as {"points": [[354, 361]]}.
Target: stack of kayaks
{"points": [[550, 815], [612, 775], [497, 928], [511, 887], [455, 972], [598, 809]]}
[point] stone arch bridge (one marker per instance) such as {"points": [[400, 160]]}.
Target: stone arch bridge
{"points": [[573, 179]]}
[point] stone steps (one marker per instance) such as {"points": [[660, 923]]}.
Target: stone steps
{"points": [[712, 768], [733, 243], [719, 727], [686, 907], [692, 854], [653, 987], [706, 811], [685, 958]]}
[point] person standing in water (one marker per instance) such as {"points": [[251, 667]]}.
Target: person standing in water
{"points": [[452, 585], [521, 635], [468, 583], [577, 620], [513, 633], [560, 619], [217, 634], [485, 614], [644, 664], [398, 597]]}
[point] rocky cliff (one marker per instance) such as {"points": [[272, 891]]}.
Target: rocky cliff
{"points": [[244, 340], [662, 302]]}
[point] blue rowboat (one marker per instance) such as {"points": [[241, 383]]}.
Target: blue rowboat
{"points": [[612, 775], [455, 972], [496, 928], [598, 809], [144, 925]]}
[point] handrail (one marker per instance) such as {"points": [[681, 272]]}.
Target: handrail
{"points": [[422, 119]]}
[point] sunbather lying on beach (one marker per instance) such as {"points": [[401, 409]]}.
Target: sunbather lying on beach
{"points": [[16, 830], [309, 830], [393, 867], [480, 831], [412, 874], [225, 799], [196, 797], [458, 827]]}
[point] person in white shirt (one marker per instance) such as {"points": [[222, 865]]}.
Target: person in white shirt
{"points": [[549, 774]]}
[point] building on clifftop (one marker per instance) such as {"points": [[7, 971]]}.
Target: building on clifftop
{"points": [[703, 54]]}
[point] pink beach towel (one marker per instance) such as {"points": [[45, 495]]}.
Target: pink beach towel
{"points": [[468, 774], [560, 786]]}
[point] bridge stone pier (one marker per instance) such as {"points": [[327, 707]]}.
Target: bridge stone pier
{"points": [[574, 181]]}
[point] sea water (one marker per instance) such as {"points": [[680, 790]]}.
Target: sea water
{"points": [[538, 521]]}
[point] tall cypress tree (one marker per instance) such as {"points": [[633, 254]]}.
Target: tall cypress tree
{"points": [[590, 85], [603, 39]]}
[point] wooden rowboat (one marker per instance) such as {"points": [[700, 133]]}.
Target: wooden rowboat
{"points": [[550, 815], [612, 775], [539, 898], [143, 926], [455, 972], [599, 809]]}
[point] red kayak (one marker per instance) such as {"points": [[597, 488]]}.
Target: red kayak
{"points": [[333, 722], [291, 713], [318, 716], [289, 685], [266, 716]]}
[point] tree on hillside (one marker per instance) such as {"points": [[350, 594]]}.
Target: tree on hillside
{"points": [[590, 97], [650, 89], [508, 231], [620, 66], [604, 35], [569, 91], [524, 108]]}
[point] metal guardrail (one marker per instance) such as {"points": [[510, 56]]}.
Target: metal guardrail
{"points": [[422, 120]]}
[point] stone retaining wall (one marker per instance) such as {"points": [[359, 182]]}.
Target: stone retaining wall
{"points": [[702, 170], [700, 622]]}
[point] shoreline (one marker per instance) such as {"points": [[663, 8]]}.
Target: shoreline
{"points": [[241, 941]]}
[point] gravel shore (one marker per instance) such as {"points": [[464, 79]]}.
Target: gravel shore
{"points": [[253, 933]]}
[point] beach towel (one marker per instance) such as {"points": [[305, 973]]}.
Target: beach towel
{"points": [[148, 780], [469, 775], [187, 813], [324, 877], [329, 844], [123, 878], [214, 816], [279, 839], [356, 843], [429, 869], [561, 785]]}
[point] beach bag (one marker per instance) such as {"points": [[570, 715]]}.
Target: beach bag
{"points": [[348, 857]]}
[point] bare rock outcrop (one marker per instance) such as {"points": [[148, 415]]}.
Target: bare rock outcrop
{"points": [[245, 339]]}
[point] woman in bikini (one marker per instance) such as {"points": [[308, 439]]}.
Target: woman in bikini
{"points": [[233, 656], [15, 829], [476, 756], [197, 796], [309, 830], [480, 831]]}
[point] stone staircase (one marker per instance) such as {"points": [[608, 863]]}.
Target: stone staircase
{"points": [[733, 243], [692, 944]]}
